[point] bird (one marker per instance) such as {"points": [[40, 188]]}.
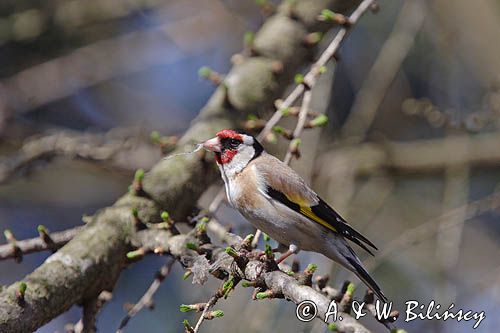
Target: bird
{"points": [[276, 200]]}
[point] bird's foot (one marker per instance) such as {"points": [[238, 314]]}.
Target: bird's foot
{"points": [[292, 249]]}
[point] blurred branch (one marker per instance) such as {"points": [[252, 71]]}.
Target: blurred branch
{"points": [[147, 299], [82, 68], [417, 156], [448, 240], [118, 146], [74, 273], [426, 230], [91, 309], [384, 70], [28, 25]]}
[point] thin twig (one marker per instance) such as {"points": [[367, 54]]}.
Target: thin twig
{"points": [[91, 308], [211, 302], [306, 101], [276, 117], [147, 298], [315, 70], [38, 245], [384, 70]]}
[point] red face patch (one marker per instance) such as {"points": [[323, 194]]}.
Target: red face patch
{"points": [[227, 154], [229, 134]]}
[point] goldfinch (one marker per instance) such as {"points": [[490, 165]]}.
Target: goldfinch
{"points": [[276, 200]]}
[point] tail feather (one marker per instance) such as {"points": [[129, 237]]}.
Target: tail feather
{"points": [[361, 272]]}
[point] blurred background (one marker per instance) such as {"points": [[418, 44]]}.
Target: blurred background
{"points": [[410, 156]]}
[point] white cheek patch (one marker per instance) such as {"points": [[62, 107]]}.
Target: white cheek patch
{"points": [[248, 140], [239, 161]]}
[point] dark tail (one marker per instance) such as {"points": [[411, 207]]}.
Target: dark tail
{"points": [[361, 272]]}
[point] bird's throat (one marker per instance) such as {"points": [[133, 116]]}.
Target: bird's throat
{"points": [[225, 157]]}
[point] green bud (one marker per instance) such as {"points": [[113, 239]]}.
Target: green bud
{"points": [[218, 313], [320, 120], [9, 236], [299, 78], [139, 175], [269, 251], [186, 275], [42, 230], [155, 137], [249, 38], [139, 253], [165, 216], [350, 289], [262, 295], [249, 238], [314, 38], [246, 284], [311, 268], [204, 72], [228, 284], [22, 288], [322, 69], [266, 237], [286, 112], [185, 308], [332, 327], [232, 252], [204, 219], [296, 142], [135, 212], [202, 226], [186, 324], [192, 246], [278, 130], [327, 15]]}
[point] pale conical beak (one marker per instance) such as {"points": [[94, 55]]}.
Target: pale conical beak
{"points": [[213, 145]]}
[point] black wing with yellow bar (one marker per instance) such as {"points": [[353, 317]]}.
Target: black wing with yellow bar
{"points": [[323, 214]]}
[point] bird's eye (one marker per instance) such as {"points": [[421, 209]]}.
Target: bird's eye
{"points": [[234, 142]]}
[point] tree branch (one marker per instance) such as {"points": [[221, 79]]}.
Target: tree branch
{"points": [[117, 146], [263, 273], [147, 298], [38, 244], [422, 155]]}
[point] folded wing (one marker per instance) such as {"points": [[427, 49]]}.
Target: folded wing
{"points": [[286, 186]]}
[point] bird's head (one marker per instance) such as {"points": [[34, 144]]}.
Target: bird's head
{"points": [[233, 147]]}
